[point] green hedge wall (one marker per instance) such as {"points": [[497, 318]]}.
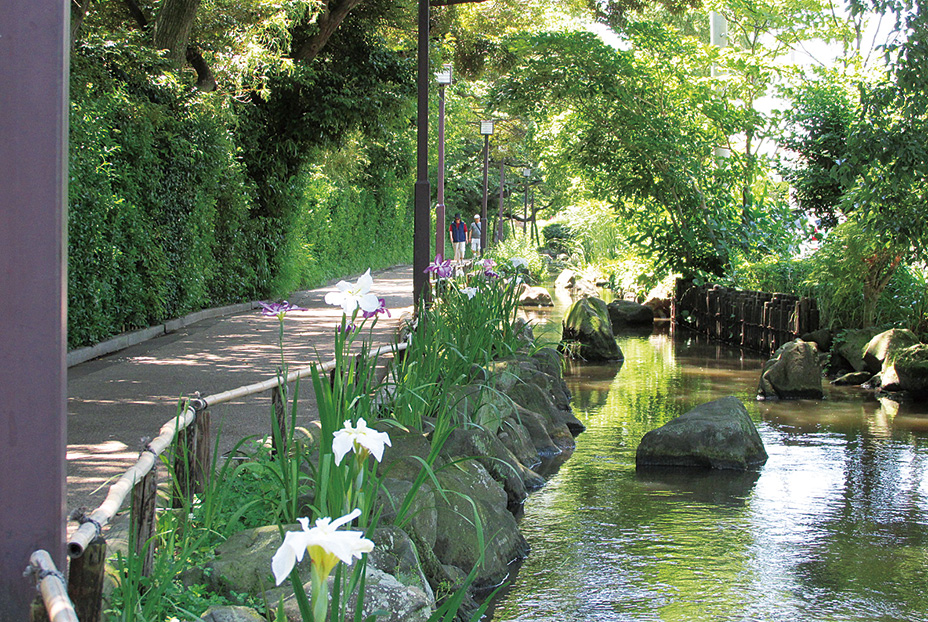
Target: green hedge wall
{"points": [[162, 218]]}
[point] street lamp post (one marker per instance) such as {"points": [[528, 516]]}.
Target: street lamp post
{"points": [[486, 128], [420, 246], [443, 78], [526, 173], [502, 188]]}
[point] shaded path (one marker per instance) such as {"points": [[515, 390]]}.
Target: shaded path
{"points": [[116, 400]]}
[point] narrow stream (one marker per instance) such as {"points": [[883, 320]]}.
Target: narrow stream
{"points": [[833, 527]]}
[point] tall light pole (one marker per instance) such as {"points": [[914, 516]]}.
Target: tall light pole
{"points": [[486, 128], [443, 78], [526, 173], [421, 224], [502, 187]]}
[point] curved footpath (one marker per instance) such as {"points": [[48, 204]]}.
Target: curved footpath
{"points": [[116, 400]]}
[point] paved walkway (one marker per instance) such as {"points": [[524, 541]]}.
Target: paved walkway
{"points": [[116, 400]]}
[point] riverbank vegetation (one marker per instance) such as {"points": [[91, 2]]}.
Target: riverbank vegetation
{"points": [[414, 464]]}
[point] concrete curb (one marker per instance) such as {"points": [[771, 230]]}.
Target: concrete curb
{"points": [[123, 341]]}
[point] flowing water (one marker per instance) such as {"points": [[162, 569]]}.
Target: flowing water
{"points": [[833, 527]]}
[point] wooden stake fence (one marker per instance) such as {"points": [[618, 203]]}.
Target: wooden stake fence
{"points": [[87, 546], [758, 321]]}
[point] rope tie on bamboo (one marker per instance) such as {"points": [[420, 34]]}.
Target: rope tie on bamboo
{"points": [[41, 574], [83, 518], [146, 446]]}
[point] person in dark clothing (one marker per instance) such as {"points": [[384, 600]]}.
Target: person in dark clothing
{"points": [[458, 237]]}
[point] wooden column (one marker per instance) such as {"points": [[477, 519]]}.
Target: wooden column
{"points": [[34, 43]]}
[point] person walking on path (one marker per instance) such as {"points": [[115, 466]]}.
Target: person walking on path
{"points": [[473, 234], [458, 238]]}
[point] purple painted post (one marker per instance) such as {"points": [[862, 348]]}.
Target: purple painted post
{"points": [[421, 225], [33, 279], [444, 79]]}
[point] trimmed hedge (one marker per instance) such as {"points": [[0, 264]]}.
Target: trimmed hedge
{"points": [[162, 216]]}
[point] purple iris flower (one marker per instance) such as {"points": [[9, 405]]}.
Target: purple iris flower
{"points": [[441, 269], [490, 274], [348, 328], [381, 309], [278, 309]]}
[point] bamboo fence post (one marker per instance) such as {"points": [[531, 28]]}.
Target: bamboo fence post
{"points": [[144, 498], [765, 330], [85, 580]]}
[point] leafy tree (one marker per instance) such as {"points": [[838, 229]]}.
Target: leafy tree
{"points": [[816, 131], [631, 121]]}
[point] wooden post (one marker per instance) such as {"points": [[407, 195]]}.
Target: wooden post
{"points": [[34, 43], [202, 463], [144, 497], [279, 400], [85, 581], [184, 452]]}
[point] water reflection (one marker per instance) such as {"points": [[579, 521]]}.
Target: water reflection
{"points": [[833, 527]]}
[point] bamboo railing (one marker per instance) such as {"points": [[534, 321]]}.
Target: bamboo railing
{"points": [[82, 598], [760, 321]]}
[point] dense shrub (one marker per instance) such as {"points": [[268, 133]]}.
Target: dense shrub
{"points": [[165, 218], [157, 222], [558, 237]]}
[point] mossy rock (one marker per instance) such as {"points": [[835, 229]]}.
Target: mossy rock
{"points": [[421, 518], [481, 404], [587, 323], [718, 435], [469, 488], [848, 349], [793, 372], [883, 347], [908, 371]]}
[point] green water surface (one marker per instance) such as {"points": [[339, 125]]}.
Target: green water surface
{"points": [[833, 527]]}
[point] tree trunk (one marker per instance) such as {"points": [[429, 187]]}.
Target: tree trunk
{"points": [[136, 13], [206, 81], [172, 27], [327, 21], [78, 12]]}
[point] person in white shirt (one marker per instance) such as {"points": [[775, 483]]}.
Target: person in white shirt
{"points": [[473, 235]]}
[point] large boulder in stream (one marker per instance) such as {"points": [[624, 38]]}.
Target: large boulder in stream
{"points": [[535, 297], [587, 325], [793, 372], [884, 346], [629, 314], [717, 435], [847, 351], [907, 371]]}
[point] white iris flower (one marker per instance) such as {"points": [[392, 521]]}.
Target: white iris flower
{"points": [[362, 439], [326, 547], [350, 296]]}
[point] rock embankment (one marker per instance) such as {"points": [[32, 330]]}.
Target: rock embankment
{"points": [[515, 414]]}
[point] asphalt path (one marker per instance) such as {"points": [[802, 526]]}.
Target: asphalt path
{"points": [[117, 400]]}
